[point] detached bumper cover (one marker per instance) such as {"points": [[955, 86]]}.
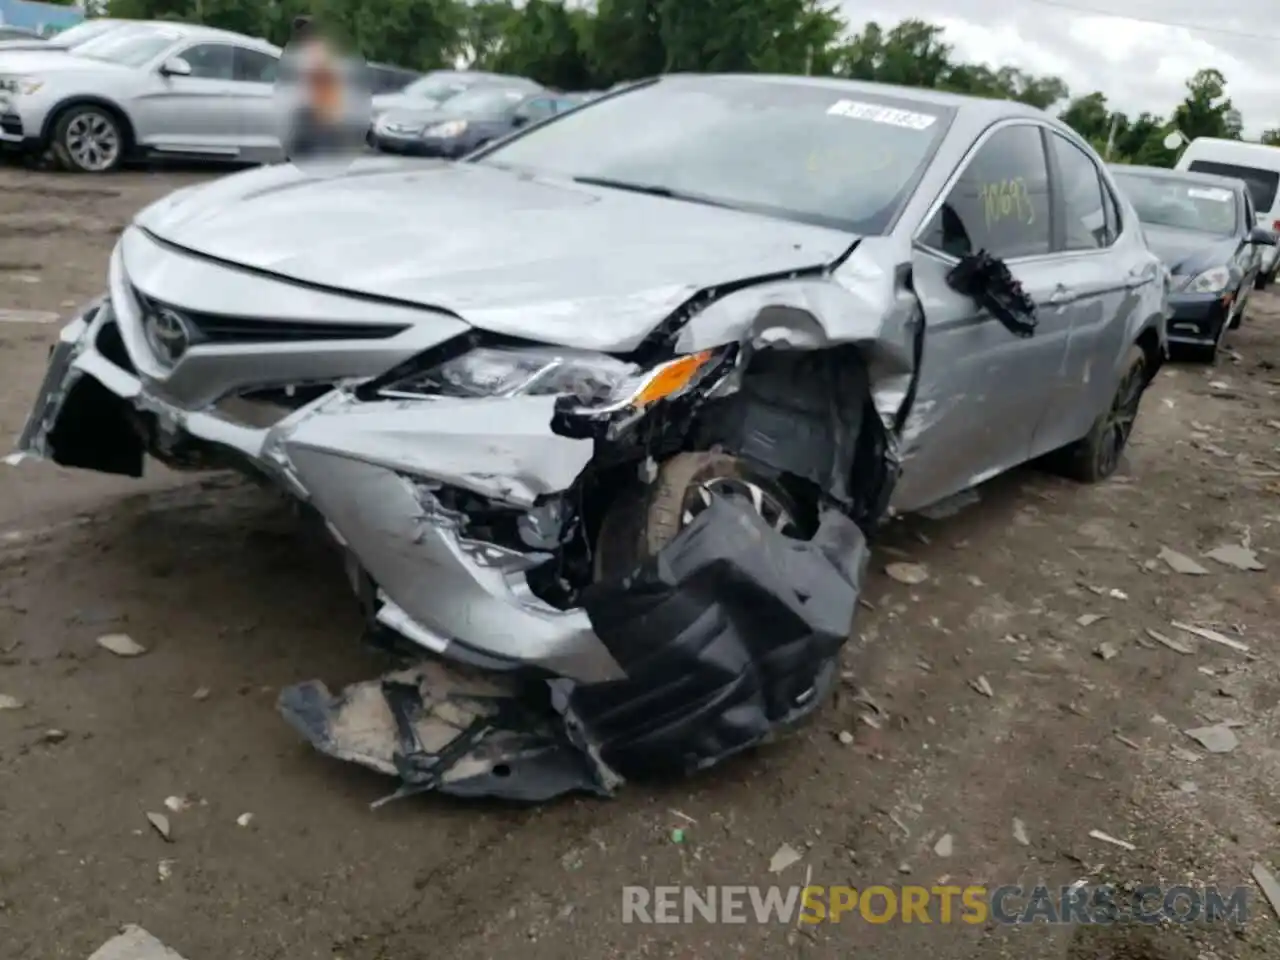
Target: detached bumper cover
{"points": [[728, 637]]}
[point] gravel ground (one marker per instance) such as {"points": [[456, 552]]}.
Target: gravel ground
{"points": [[1081, 730]]}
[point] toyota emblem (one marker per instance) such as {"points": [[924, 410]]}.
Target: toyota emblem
{"points": [[169, 334]]}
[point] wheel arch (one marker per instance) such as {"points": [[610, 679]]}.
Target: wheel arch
{"points": [[88, 100]]}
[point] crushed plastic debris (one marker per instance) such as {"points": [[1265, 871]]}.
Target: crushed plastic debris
{"points": [[244, 819], [1218, 738], [1266, 882], [1089, 619], [1020, 832], [134, 943], [1181, 563], [1236, 555], [908, 573], [160, 823], [122, 645], [1114, 841], [945, 845], [1171, 644], [177, 804], [785, 856], [1106, 651], [10, 703], [983, 686], [1213, 636]]}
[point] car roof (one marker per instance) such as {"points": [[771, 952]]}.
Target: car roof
{"points": [[198, 31], [1183, 176], [975, 108]]}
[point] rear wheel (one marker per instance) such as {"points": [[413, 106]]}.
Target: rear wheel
{"points": [[1096, 456]]}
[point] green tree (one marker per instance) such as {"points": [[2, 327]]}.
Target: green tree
{"points": [[1205, 111], [543, 42]]}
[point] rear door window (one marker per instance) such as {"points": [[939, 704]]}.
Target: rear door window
{"points": [[1084, 213], [1262, 184]]}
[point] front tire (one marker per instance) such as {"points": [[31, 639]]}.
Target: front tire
{"points": [[639, 525], [1096, 456], [89, 139]]}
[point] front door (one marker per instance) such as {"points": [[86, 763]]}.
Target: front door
{"points": [[197, 113], [982, 388]]}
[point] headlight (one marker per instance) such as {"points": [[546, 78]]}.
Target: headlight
{"points": [[594, 380], [450, 128], [1214, 280], [20, 85]]}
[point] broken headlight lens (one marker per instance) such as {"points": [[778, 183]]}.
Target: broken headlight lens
{"points": [[1214, 280], [592, 379]]}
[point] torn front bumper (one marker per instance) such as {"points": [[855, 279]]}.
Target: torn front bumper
{"points": [[368, 469], [728, 637]]}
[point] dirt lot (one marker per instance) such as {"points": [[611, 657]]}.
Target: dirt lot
{"points": [[227, 594]]}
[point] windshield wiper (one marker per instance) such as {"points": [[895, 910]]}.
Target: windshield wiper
{"points": [[652, 190]]}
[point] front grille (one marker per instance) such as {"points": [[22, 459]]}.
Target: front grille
{"points": [[11, 124], [219, 328]]}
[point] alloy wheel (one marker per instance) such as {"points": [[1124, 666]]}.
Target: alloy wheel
{"points": [[93, 141], [1120, 418]]}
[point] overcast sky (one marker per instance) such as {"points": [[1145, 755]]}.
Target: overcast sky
{"points": [[1138, 65]]}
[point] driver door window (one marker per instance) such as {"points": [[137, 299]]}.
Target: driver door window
{"points": [[210, 61], [1000, 203]]}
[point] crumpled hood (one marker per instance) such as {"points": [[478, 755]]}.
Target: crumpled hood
{"points": [[546, 260], [1188, 251]]}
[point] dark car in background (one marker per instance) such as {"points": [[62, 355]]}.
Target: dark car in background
{"points": [[386, 79], [1204, 229], [432, 89], [466, 122]]}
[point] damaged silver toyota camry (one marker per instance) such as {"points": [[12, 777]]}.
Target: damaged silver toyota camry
{"points": [[603, 416]]}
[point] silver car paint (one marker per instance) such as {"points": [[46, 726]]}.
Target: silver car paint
{"points": [[230, 119], [984, 399]]}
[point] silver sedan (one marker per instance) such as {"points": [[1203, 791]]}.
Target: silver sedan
{"points": [[610, 409], [145, 89]]}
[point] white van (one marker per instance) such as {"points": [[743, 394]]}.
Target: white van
{"points": [[1259, 167]]}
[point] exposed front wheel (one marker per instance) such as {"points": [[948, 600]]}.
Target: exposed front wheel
{"points": [[1096, 456], [89, 139], [639, 525]]}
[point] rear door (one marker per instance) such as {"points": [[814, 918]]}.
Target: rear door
{"points": [[253, 96], [982, 389], [1096, 283]]}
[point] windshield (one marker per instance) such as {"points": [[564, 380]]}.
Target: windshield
{"points": [[1262, 184], [485, 102], [85, 31], [131, 48], [817, 154], [1185, 204]]}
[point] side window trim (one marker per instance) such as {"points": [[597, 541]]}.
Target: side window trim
{"points": [[917, 235]]}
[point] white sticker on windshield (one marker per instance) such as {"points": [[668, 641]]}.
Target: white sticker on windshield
{"points": [[1209, 193], [856, 110]]}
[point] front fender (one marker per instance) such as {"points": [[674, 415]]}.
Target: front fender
{"points": [[865, 301]]}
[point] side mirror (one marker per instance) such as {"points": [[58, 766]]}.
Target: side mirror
{"points": [[1263, 237], [175, 67]]}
